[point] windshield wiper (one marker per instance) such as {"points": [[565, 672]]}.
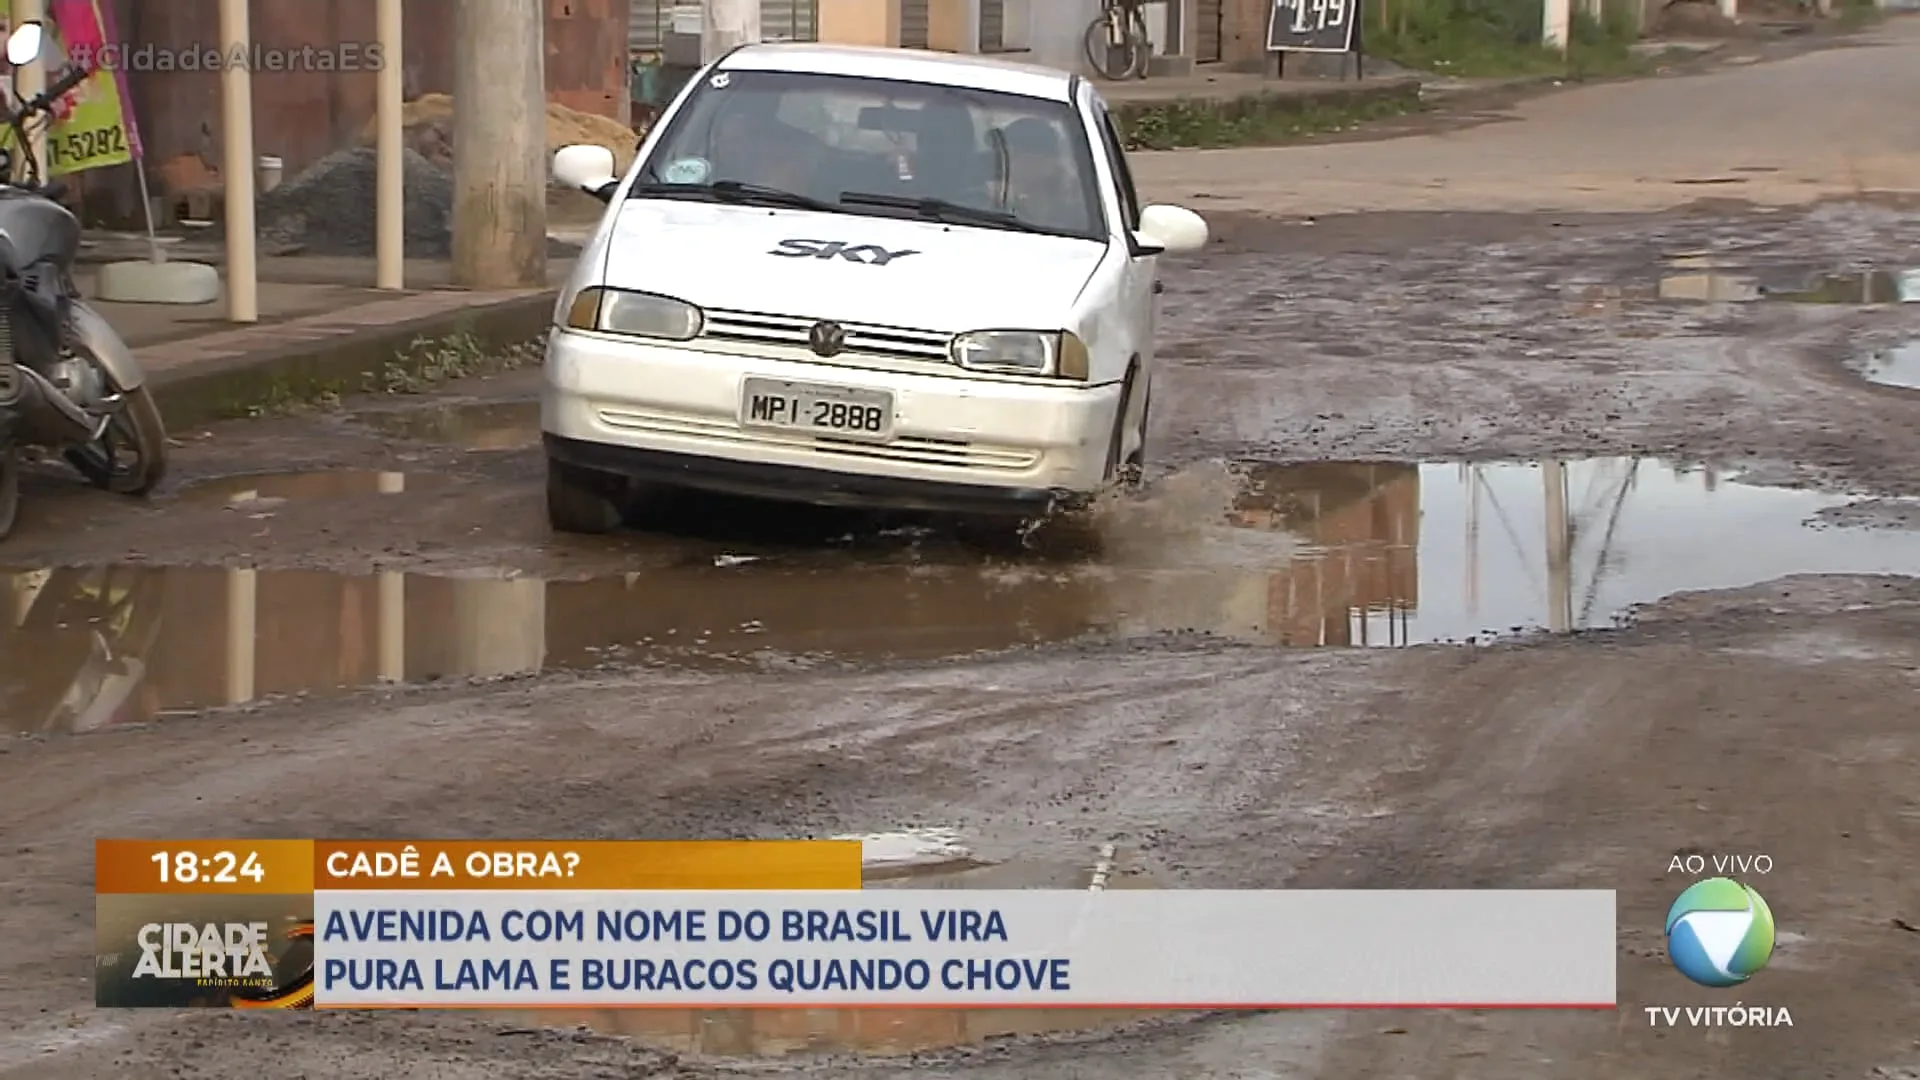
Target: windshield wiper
{"points": [[735, 191], [944, 210]]}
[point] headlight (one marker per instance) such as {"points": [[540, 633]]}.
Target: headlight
{"points": [[616, 311], [1022, 352]]}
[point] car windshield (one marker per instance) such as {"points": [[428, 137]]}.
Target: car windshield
{"points": [[880, 147]]}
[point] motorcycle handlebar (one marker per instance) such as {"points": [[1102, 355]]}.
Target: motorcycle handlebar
{"points": [[44, 100]]}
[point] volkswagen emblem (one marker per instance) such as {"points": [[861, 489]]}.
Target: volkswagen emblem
{"points": [[827, 338]]}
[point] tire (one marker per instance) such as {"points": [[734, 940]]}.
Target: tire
{"points": [[581, 501], [138, 427], [9, 490], [1124, 471], [1116, 62]]}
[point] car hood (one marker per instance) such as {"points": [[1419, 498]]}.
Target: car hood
{"points": [[956, 278]]}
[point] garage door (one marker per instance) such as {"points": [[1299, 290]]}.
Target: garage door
{"points": [[913, 24], [647, 24], [1207, 37], [993, 26]]}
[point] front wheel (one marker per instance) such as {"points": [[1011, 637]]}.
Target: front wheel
{"points": [[130, 456], [9, 490], [581, 501], [1116, 46]]}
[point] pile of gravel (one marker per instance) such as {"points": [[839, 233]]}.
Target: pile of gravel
{"points": [[329, 208]]}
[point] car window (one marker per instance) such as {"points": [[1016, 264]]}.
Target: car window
{"points": [[823, 136], [1115, 148]]}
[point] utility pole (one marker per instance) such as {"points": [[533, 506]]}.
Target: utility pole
{"points": [[1556, 20], [236, 162], [726, 24], [499, 144]]}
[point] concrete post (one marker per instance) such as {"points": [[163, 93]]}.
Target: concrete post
{"points": [[499, 144], [236, 163], [1730, 9], [33, 76], [725, 24], [390, 196]]}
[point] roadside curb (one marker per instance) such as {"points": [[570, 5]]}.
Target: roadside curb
{"points": [[1145, 122], [339, 363]]}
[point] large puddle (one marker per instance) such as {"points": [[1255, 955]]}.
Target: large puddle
{"points": [[1700, 278], [1309, 555], [1897, 367]]}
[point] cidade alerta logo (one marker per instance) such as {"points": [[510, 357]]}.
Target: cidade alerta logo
{"points": [[1719, 932]]}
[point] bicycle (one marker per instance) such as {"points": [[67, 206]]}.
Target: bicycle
{"points": [[1116, 42]]}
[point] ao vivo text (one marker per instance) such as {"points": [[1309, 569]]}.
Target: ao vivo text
{"points": [[1721, 864]]}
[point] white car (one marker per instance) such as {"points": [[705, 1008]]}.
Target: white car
{"points": [[859, 277]]}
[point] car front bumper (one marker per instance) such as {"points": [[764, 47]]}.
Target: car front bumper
{"points": [[671, 414]]}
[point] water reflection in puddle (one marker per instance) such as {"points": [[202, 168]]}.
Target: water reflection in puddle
{"points": [[1701, 283], [509, 425], [1898, 366], [268, 488], [1307, 555]]}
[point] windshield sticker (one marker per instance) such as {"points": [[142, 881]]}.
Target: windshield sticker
{"points": [[691, 170], [720, 81]]}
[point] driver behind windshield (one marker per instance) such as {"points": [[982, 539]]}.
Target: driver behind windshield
{"points": [[1041, 187], [754, 147]]}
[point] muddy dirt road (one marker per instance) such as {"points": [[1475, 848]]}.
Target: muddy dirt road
{"points": [[1374, 436]]}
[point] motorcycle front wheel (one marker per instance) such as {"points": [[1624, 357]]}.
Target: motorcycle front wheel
{"points": [[130, 457], [9, 490]]}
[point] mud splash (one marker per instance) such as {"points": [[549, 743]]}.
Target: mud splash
{"points": [[1291, 555], [481, 425], [1897, 367]]}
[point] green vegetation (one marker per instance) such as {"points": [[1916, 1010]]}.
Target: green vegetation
{"points": [[425, 364], [1501, 38], [1255, 119]]}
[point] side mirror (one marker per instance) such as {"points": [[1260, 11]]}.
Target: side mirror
{"points": [[1172, 228], [23, 45], [588, 168]]}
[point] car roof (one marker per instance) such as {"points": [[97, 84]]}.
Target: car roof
{"points": [[906, 65]]}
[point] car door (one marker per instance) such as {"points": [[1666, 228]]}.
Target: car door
{"points": [[1139, 286]]}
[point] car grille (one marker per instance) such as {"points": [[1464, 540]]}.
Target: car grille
{"points": [[861, 340], [906, 448]]}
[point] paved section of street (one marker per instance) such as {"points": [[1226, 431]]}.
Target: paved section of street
{"points": [[1832, 122], [1247, 676]]}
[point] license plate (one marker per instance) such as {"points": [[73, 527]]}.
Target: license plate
{"points": [[824, 410]]}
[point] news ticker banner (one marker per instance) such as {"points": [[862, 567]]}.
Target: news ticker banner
{"points": [[733, 924]]}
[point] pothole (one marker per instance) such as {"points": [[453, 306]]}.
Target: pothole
{"points": [[917, 858], [263, 490], [1898, 366], [1328, 554], [509, 425]]}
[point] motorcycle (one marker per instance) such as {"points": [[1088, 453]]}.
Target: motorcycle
{"points": [[68, 384]]}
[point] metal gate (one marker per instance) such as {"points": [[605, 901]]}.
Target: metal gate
{"points": [[914, 23], [993, 26], [1212, 15], [780, 20], [789, 20]]}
